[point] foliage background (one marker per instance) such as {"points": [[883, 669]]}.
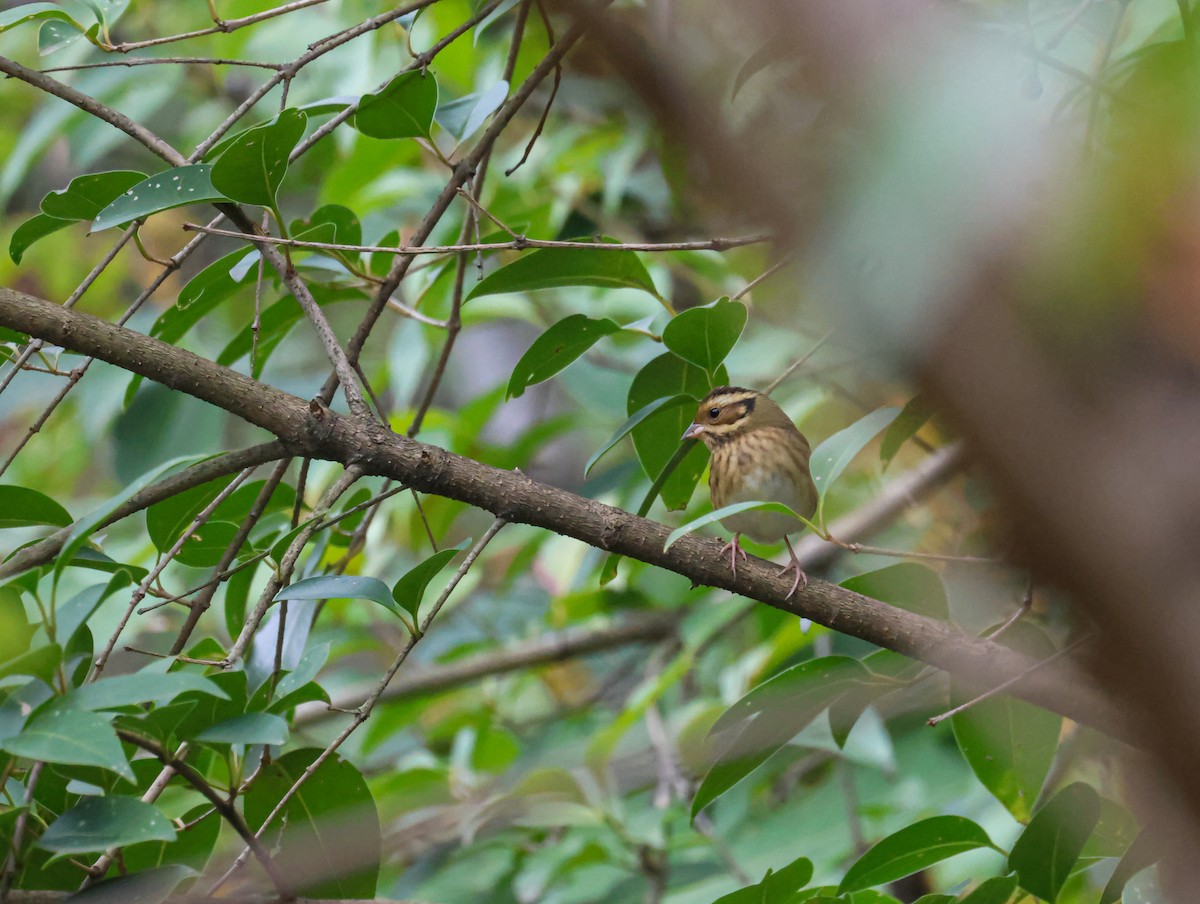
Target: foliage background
{"points": [[564, 777]]}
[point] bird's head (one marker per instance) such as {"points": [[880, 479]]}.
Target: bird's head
{"points": [[728, 411]]}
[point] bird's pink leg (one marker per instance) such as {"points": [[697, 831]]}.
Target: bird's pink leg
{"points": [[735, 550], [794, 565]]}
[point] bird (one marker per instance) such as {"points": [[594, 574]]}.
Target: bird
{"points": [[758, 454]]}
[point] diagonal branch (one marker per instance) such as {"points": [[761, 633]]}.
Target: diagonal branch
{"points": [[309, 429]]}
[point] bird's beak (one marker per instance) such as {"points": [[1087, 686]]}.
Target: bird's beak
{"points": [[693, 431]]}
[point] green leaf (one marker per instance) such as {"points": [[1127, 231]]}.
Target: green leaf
{"points": [[70, 616], [775, 885], [141, 885], [1045, 852], [248, 728], [331, 223], [996, 890], [164, 191], [61, 734], [724, 512], [912, 418], [85, 196], [909, 585], [205, 291], [1140, 855], [556, 348], [36, 227], [913, 849], [830, 458], [54, 36], [341, 587], [411, 588], [309, 838], [65, 12], [252, 168], [657, 438], [100, 823], [144, 687], [704, 336], [84, 527], [551, 268], [1009, 744], [462, 117], [23, 507], [403, 109], [765, 719], [636, 418]]}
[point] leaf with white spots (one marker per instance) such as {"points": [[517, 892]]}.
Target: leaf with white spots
{"points": [[162, 191], [100, 823], [253, 167], [63, 734]]}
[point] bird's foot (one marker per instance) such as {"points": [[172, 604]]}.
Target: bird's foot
{"points": [[794, 565], [734, 548]]}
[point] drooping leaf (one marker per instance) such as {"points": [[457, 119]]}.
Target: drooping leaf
{"points": [[100, 823], [909, 585], [310, 837], [724, 512], [832, 456], [74, 613], [556, 348], [149, 885], [62, 734], [403, 109], [85, 196], [913, 849], [704, 336], [252, 168], [550, 268], [912, 418], [70, 12], [1143, 852], [1046, 851], [1010, 744], [114, 692], [636, 418], [36, 227], [656, 439], [163, 191], [765, 719], [341, 586], [462, 117], [23, 507], [410, 589]]}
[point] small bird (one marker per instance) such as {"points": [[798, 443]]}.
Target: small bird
{"points": [[758, 454]]}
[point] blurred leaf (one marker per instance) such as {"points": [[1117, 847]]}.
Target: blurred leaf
{"points": [[908, 585], [462, 117], [252, 168], [163, 191], [67, 11], [247, 728], [1141, 854], [657, 438], [551, 268], [765, 719], [403, 109], [203, 292], [832, 456], [74, 613], [60, 734], [341, 587], [912, 849], [36, 227], [410, 589], [114, 692], [330, 818], [23, 507], [996, 890], [143, 885], [1010, 744], [775, 885], [724, 512], [100, 823], [912, 417], [556, 348], [704, 336], [1046, 851], [330, 223]]}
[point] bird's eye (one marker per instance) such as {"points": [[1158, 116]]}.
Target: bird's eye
{"points": [[713, 412]]}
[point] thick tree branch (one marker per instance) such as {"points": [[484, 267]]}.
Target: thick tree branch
{"points": [[308, 429]]}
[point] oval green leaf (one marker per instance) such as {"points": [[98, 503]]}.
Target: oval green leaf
{"points": [[247, 728], [163, 191], [62, 734], [549, 268], [704, 336], [341, 587], [832, 456], [996, 890], [462, 117], [100, 823], [403, 109], [411, 588], [23, 507], [85, 196], [724, 512], [556, 348], [36, 227], [115, 692], [1044, 854], [252, 168], [28, 12], [913, 849]]}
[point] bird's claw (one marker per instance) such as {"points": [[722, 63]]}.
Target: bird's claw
{"points": [[735, 549]]}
